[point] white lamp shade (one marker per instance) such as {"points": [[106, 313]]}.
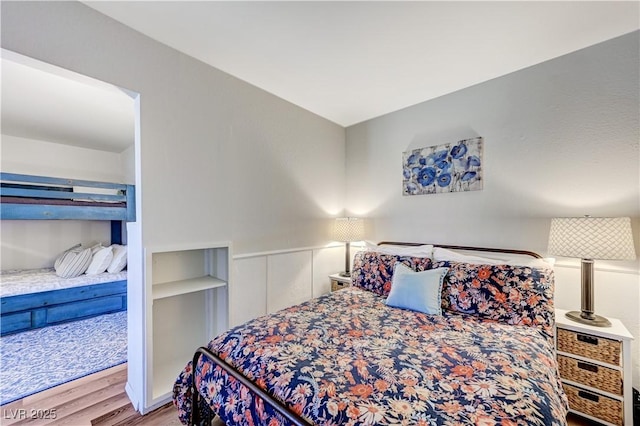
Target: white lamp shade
{"points": [[608, 238], [347, 229]]}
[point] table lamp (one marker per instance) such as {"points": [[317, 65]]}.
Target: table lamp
{"points": [[348, 229], [589, 238]]}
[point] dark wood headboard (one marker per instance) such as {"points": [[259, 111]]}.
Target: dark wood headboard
{"points": [[469, 248]]}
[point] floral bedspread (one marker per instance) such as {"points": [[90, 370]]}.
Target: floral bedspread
{"points": [[348, 359]]}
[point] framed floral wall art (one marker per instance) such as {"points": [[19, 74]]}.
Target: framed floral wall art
{"points": [[451, 167]]}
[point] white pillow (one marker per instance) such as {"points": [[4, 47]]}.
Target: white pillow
{"points": [[119, 260], [425, 250], [58, 261], [544, 263], [440, 254], [73, 262], [96, 248], [101, 260], [97, 191]]}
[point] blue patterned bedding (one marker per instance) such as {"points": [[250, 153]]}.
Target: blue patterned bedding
{"points": [[348, 359]]}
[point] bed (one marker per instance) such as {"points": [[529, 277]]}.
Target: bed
{"points": [[349, 358], [38, 298]]}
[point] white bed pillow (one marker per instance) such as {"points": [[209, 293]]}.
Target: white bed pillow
{"points": [[545, 262], [97, 191], [96, 248], [440, 254], [119, 260], [425, 250], [73, 262], [102, 257], [58, 261]]}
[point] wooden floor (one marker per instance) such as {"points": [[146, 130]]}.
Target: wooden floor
{"points": [[95, 400], [100, 400]]}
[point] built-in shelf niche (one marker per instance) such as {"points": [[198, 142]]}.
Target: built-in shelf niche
{"points": [[188, 299]]}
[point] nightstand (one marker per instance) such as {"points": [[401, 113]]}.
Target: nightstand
{"points": [[595, 369], [338, 282]]}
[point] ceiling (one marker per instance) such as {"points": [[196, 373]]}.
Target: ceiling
{"points": [[352, 61], [47, 103], [345, 61]]}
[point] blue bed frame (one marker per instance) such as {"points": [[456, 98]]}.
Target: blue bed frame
{"points": [[27, 197], [39, 189]]}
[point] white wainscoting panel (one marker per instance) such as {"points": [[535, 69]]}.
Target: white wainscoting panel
{"points": [[289, 279], [268, 281], [326, 261], [249, 282]]}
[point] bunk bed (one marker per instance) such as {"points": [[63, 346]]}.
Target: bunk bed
{"points": [[38, 298]]}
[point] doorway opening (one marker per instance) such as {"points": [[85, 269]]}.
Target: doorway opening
{"points": [[58, 124]]}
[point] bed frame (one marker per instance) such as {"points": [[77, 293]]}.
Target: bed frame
{"points": [[27, 197], [285, 411]]}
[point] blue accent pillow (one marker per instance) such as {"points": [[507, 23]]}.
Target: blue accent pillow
{"points": [[417, 291]]}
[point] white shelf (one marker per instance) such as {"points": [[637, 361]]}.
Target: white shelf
{"points": [[340, 278], [175, 288]]}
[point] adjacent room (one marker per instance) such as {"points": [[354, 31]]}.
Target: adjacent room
{"points": [[64, 279], [365, 212]]}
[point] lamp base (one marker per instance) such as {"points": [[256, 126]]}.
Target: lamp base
{"points": [[345, 274], [585, 318]]}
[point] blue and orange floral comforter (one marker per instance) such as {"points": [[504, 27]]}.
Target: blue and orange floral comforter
{"points": [[348, 359]]}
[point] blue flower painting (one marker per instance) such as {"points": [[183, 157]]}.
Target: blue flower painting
{"points": [[452, 167]]}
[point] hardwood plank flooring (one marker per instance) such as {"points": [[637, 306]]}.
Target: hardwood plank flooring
{"points": [[100, 400], [95, 400], [69, 392]]}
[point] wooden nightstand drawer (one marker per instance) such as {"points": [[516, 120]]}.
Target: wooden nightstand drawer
{"points": [[586, 373], [339, 285], [593, 404], [589, 346], [338, 282]]}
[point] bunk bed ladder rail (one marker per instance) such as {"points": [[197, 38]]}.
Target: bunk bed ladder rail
{"points": [[286, 412]]}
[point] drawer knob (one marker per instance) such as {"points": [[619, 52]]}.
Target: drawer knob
{"points": [[589, 396], [588, 367], [587, 339]]}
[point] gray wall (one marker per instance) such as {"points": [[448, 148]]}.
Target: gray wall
{"points": [[219, 158], [562, 138], [216, 158]]}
